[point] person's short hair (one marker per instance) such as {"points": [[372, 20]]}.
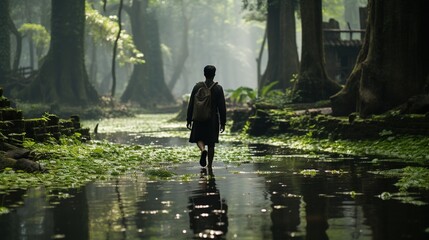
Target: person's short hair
{"points": [[209, 71]]}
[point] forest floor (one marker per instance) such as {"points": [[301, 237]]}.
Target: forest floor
{"points": [[314, 129], [71, 163], [403, 138]]}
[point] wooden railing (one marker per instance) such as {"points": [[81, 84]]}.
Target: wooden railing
{"points": [[361, 31]]}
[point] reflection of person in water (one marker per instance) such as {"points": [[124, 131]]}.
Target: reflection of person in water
{"points": [[207, 211]]}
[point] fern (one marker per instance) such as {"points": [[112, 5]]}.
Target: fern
{"points": [[267, 88]]}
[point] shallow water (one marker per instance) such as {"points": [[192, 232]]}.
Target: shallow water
{"points": [[291, 196], [249, 201]]}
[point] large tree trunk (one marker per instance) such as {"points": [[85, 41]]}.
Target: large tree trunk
{"points": [[62, 77], [282, 51], [395, 66], [184, 51], [345, 101], [4, 41], [147, 85], [18, 40], [313, 83]]}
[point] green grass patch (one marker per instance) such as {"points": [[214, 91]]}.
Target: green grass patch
{"points": [[71, 164], [407, 148], [409, 177]]}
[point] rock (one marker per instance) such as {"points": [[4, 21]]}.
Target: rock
{"points": [[239, 118], [7, 146], [18, 153], [6, 162], [418, 104], [28, 165], [259, 124]]}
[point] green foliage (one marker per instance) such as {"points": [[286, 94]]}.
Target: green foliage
{"points": [[414, 177], [4, 210], [333, 9], [275, 97], [408, 148], [255, 10], [309, 172], [71, 163], [38, 34], [267, 88], [242, 95], [105, 29], [385, 133], [159, 173]]}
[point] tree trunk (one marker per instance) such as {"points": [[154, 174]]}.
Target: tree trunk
{"points": [[115, 47], [313, 83], [183, 54], [390, 72], [282, 51], [18, 39], [93, 67], [62, 77], [259, 60], [344, 102], [146, 85], [4, 41]]}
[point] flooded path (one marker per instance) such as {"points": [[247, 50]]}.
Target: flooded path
{"points": [[291, 196]]}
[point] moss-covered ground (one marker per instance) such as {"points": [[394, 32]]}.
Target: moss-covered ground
{"points": [[71, 164]]}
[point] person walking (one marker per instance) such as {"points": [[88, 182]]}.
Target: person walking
{"points": [[206, 115]]}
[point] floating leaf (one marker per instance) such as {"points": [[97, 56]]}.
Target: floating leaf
{"points": [[4, 210]]}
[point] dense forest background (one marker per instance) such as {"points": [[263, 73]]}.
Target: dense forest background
{"points": [[151, 52]]}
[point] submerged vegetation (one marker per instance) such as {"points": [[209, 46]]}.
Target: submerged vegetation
{"points": [[71, 163], [408, 148]]}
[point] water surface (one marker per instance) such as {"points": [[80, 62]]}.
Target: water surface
{"points": [[250, 201], [292, 196]]}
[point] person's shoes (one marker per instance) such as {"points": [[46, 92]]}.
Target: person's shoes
{"points": [[203, 161]]}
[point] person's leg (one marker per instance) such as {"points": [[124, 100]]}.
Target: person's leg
{"points": [[201, 145], [203, 158], [211, 150]]}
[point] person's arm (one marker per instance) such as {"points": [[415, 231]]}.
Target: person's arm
{"points": [[190, 110], [222, 109]]}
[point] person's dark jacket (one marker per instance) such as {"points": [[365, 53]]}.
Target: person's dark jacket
{"points": [[208, 131]]}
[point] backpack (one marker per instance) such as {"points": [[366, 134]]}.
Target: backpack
{"points": [[202, 103]]}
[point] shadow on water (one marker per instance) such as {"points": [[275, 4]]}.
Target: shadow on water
{"points": [[291, 197]]}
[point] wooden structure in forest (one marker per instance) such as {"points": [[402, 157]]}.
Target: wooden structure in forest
{"points": [[340, 54]]}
